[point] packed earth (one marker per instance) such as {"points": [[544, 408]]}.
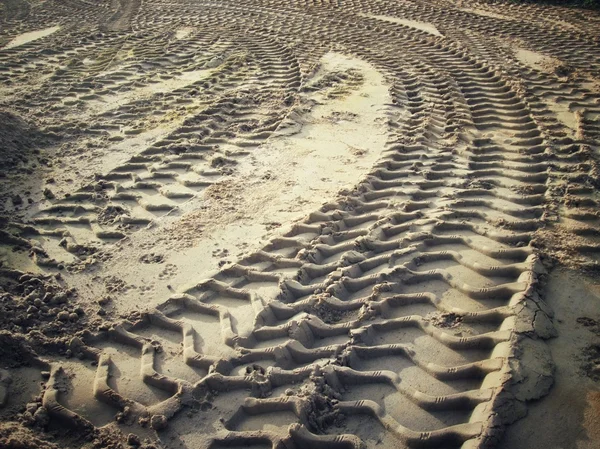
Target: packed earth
{"points": [[333, 224]]}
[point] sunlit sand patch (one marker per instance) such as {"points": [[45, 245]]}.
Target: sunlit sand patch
{"points": [[536, 60], [423, 26], [31, 36]]}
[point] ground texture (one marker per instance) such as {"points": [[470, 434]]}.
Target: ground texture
{"points": [[299, 224]]}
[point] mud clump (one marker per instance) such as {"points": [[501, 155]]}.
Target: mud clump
{"points": [[590, 362], [590, 355], [152, 258], [20, 155], [445, 320], [113, 284], [18, 140], [16, 436], [111, 215], [591, 324], [327, 314], [39, 315], [14, 352], [38, 303], [322, 399], [32, 432], [158, 422]]}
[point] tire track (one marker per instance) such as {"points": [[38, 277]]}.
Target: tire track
{"points": [[401, 302]]}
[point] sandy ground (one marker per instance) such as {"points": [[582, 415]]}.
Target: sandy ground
{"points": [[299, 225]]}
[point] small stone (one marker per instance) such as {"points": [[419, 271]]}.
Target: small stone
{"points": [[158, 422], [33, 296], [17, 200], [133, 440], [104, 300], [45, 375], [49, 194], [63, 316], [60, 298], [32, 407]]}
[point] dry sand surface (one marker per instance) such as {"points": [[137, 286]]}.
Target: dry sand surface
{"points": [[299, 224]]}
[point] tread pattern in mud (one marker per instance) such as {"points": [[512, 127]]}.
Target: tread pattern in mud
{"points": [[242, 95], [395, 304]]}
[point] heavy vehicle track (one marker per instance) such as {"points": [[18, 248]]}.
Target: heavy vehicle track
{"points": [[401, 312]]}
